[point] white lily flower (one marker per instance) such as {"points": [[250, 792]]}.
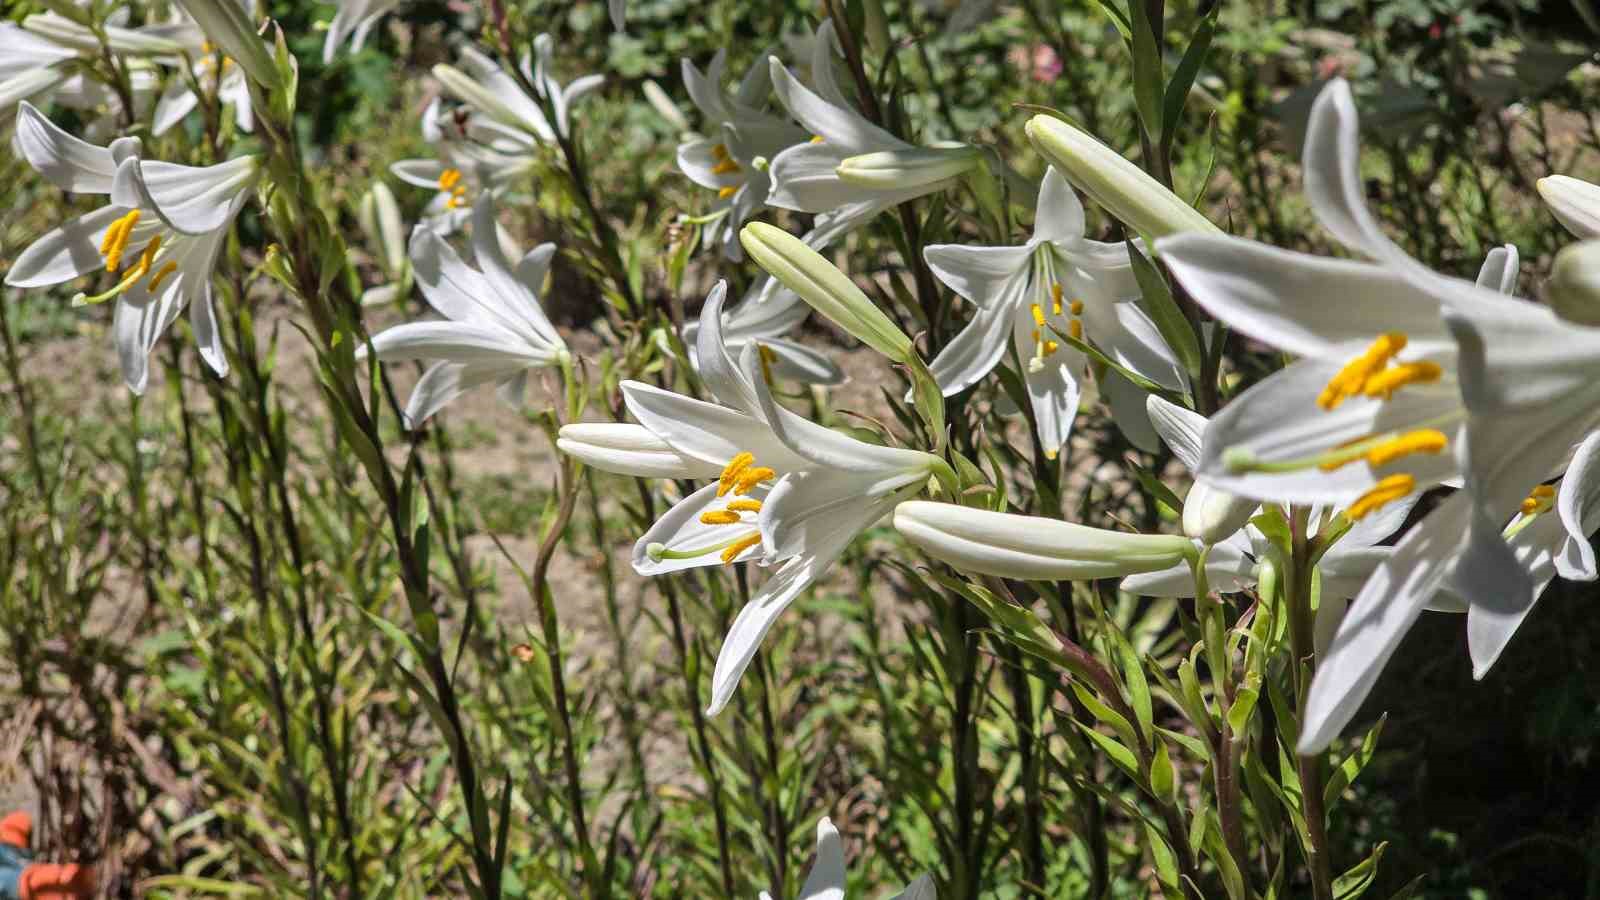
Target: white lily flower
{"points": [[1058, 280], [618, 10], [494, 330], [1033, 548], [354, 21], [36, 63], [742, 134], [789, 492], [806, 176], [160, 235], [1379, 408], [463, 170], [505, 117], [826, 880], [1218, 520]]}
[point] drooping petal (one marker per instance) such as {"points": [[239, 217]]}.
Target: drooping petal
{"points": [[445, 381], [138, 322], [1310, 306], [840, 126], [1053, 389], [1381, 615], [973, 352], [518, 299], [189, 199], [808, 508], [1333, 184], [628, 449], [1578, 503], [176, 102], [67, 162], [464, 342], [1182, 429], [1501, 592], [722, 376], [71, 250], [987, 276]]}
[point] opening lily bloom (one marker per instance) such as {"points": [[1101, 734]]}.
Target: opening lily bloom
{"points": [[806, 177], [787, 491], [494, 330], [1059, 282], [766, 319], [740, 136], [505, 118], [159, 237], [463, 170], [214, 73]]}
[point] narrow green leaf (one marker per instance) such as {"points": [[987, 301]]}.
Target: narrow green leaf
{"points": [[1184, 75], [1115, 751], [1148, 74], [1164, 312], [1345, 773], [1163, 781]]}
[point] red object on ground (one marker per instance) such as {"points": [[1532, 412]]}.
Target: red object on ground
{"points": [[16, 829], [54, 881]]}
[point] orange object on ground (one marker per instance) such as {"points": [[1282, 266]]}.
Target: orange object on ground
{"points": [[16, 829], [55, 881]]}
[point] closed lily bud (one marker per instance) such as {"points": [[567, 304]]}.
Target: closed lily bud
{"points": [[1574, 203], [1124, 189], [828, 290], [1033, 548], [910, 168], [1211, 515], [1573, 291], [380, 219], [225, 23]]}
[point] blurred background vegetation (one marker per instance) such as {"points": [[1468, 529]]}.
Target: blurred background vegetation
{"points": [[198, 681]]}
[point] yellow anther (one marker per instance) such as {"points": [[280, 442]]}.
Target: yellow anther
{"points": [[725, 193], [719, 152], [1038, 317], [768, 356], [732, 471], [1423, 440], [1075, 328], [1386, 491], [816, 139], [1055, 295], [745, 504], [161, 274], [741, 545], [1051, 347], [148, 257], [1384, 384], [1539, 500], [449, 178], [1076, 307], [1353, 377], [719, 517], [751, 477], [116, 240], [726, 167]]}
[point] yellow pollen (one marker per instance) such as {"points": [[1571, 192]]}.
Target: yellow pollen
{"points": [[816, 139], [768, 357], [1076, 307], [148, 257], [731, 472], [740, 546], [162, 273], [719, 152], [726, 167], [1423, 440], [719, 517], [1540, 499], [1075, 328], [745, 504], [751, 477], [725, 193], [1385, 383], [1055, 294], [1388, 490], [1051, 347], [1038, 316], [449, 178], [116, 240], [1349, 380]]}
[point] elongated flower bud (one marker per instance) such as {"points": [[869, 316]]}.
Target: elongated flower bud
{"points": [[829, 291], [915, 167], [1574, 287], [225, 23], [1212, 515], [380, 219], [1112, 181], [628, 449], [1574, 203], [1030, 547]]}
